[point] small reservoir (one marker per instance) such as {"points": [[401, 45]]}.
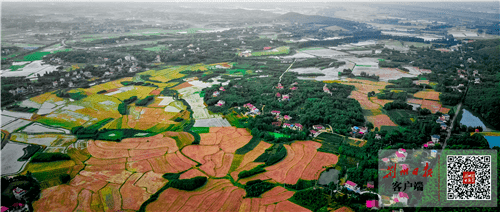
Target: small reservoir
{"points": [[469, 120]]}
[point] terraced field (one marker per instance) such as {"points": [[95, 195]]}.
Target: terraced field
{"points": [[303, 161]]}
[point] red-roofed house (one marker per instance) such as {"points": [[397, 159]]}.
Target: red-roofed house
{"points": [[216, 93], [287, 117], [293, 88], [429, 144], [4, 209], [373, 204], [220, 103], [19, 193], [370, 185], [279, 86], [351, 186], [277, 123], [313, 133], [275, 112], [267, 48], [386, 160], [278, 95], [222, 89], [286, 97], [287, 125], [248, 105], [325, 89], [401, 155], [318, 127], [401, 197], [298, 126], [404, 166]]}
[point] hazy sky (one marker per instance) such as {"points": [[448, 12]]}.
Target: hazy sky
{"points": [[370, 1]]}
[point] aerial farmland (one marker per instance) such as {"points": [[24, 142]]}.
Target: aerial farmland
{"points": [[238, 107]]}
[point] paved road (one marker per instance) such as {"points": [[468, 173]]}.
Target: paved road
{"points": [[379, 197], [452, 122]]}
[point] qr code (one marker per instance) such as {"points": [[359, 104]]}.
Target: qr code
{"points": [[468, 177]]}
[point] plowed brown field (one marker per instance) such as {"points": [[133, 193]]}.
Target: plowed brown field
{"points": [[57, 198], [214, 196], [296, 165], [128, 171], [270, 201]]}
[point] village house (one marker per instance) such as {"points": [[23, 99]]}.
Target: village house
{"points": [[385, 160], [313, 133], [318, 127], [216, 94], [352, 186], [19, 193], [370, 184], [279, 86], [220, 103], [433, 153], [401, 197], [278, 95], [17, 91], [443, 126], [222, 89], [373, 204], [361, 130], [378, 137], [70, 84], [401, 155], [54, 83], [287, 117], [287, 125], [404, 166], [286, 97], [297, 126], [477, 81], [246, 53], [325, 89], [435, 138], [428, 144], [275, 112], [87, 74], [293, 88]]}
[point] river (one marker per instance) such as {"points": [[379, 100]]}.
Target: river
{"points": [[493, 140]]}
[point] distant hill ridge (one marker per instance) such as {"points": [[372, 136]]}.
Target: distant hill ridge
{"points": [[294, 17]]}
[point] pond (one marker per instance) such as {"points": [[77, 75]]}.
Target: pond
{"points": [[469, 120], [328, 176], [493, 140]]}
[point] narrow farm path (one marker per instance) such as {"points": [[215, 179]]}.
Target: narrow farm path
{"points": [[287, 70]]}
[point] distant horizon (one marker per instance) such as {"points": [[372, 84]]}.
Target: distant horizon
{"points": [[252, 1]]}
